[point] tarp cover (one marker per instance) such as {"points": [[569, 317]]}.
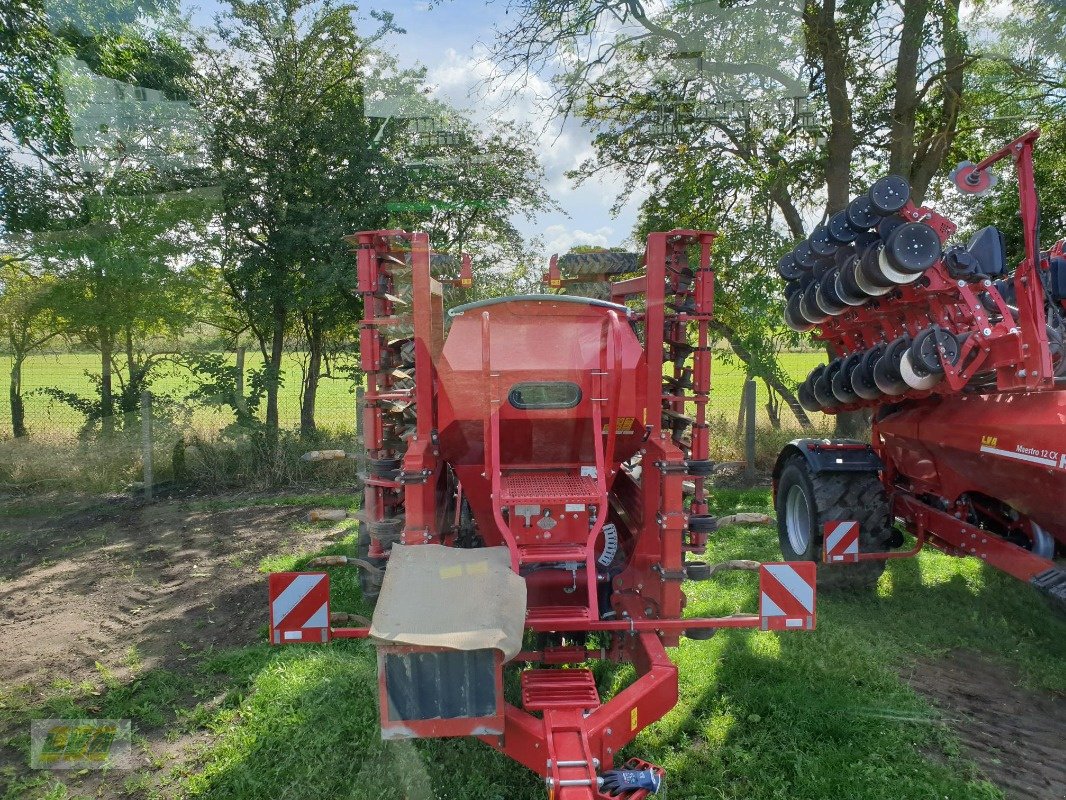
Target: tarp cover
{"points": [[436, 596]]}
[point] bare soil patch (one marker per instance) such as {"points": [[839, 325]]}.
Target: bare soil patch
{"points": [[85, 586], [1017, 736], [82, 586]]}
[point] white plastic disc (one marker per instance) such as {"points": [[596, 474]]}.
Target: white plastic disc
{"points": [[890, 273], [869, 288], [913, 379]]}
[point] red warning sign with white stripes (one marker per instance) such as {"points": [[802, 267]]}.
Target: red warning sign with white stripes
{"points": [[786, 596], [841, 542], [299, 607]]}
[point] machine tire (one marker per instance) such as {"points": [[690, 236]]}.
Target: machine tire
{"points": [[831, 496], [369, 584]]}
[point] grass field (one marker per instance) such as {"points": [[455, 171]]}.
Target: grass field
{"points": [[70, 372], [804, 716]]}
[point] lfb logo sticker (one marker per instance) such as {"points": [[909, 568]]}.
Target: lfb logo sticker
{"points": [[80, 744]]}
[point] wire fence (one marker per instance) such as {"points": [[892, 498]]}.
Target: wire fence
{"points": [[77, 374], [188, 439]]}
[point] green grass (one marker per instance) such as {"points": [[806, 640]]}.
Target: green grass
{"points": [[70, 372], [335, 402], [761, 715]]}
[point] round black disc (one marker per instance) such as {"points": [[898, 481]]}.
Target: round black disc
{"points": [[788, 269], [822, 266], [804, 256], [861, 213], [865, 239], [889, 194], [826, 295], [894, 355], [889, 224], [793, 316], [846, 287], [913, 247], [931, 347], [808, 307], [862, 379], [870, 267], [841, 382], [820, 242], [840, 229], [823, 387], [808, 402]]}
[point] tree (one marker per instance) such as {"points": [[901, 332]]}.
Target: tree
{"points": [[96, 177], [28, 322], [302, 163], [883, 83], [119, 286], [283, 97]]}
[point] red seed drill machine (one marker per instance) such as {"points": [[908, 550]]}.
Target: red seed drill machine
{"points": [[535, 480], [961, 361]]}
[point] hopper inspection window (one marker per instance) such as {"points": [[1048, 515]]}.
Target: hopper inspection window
{"points": [[538, 395]]}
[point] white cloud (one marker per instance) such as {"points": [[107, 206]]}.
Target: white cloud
{"points": [[559, 239]]}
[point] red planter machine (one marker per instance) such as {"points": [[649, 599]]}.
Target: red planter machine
{"points": [[572, 432], [961, 361]]}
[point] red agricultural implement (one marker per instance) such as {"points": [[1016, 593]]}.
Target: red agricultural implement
{"points": [[962, 363], [534, 483]]}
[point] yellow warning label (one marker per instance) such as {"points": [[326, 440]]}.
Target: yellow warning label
{"points": [[478, 568], [451, 572], [633, 719], [622, 426]]}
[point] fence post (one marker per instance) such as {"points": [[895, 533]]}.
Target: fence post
{"points": [[749, 428], [146, 443]]}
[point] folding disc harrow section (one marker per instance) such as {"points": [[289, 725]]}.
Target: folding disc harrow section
{"points": [[387, 352], [906, 317], [686, 382]]}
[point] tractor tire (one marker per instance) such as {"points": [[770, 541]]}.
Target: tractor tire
{"points": [[369, 583], [805, 501]]}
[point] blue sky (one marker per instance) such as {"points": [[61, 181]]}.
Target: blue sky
{"points": [[449, 38]]}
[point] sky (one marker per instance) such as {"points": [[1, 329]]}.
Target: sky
{"points": [[450, 38]]}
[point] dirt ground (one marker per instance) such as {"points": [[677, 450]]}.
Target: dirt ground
{"points": [[1018, 737], [80, 586], [85, 586]]}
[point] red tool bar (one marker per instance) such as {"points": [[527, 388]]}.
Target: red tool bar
{"points": [[663, 625]]}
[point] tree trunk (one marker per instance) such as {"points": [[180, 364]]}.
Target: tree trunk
{"points": [[240, 402], [107, 399], [18, 410], [934, 147], [311, 378], [822, 28], [273, 383], [901, 145], [771, 380]]}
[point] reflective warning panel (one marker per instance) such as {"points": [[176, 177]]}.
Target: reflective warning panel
{"points": [[299, 607], [786, 596], [841, 540]]}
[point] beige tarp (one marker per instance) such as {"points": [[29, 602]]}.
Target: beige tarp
{"points": [[439, 596]]}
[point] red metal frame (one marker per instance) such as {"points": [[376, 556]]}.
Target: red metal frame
{"points": [[513, 464], [956, 455]]}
